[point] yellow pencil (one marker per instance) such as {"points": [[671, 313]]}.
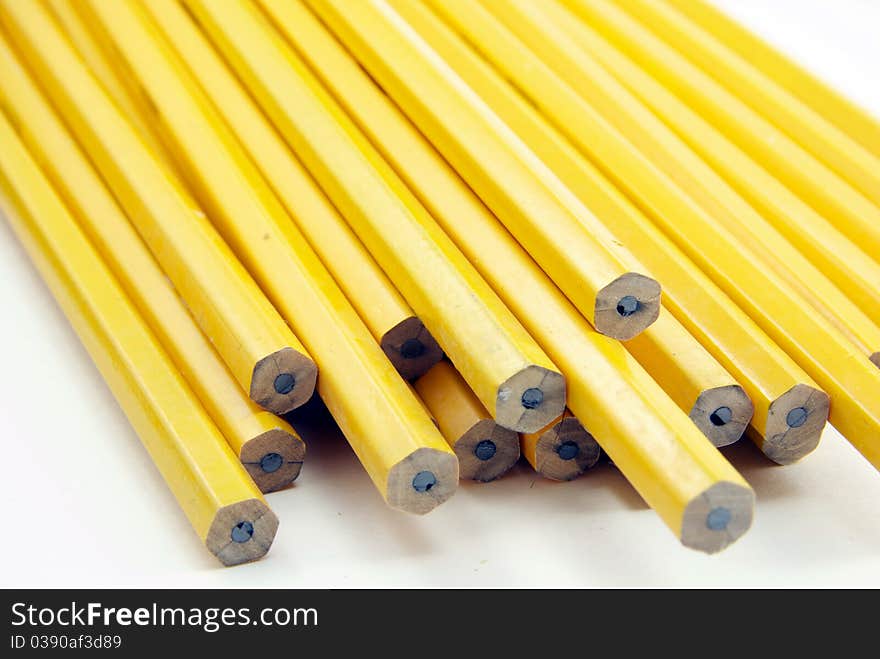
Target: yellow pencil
{"points": [[688, 372], [266, 359], [83, 40], [697, 383], [220, 500], [824, 353], [827, 193], [268, 447], [693, 376], [774, 383], [402, 336], [502, 364], [404, 454], [659, 450], [505, 174], [836, 108], [484, 449], [607, 113], [647, 436], [742, 77], [851, 269], [562, 450]]}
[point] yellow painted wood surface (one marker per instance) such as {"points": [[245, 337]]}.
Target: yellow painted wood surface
{"points": [[586, 102], [377, 301], [453, 405], [845, 263], [648, 437], [82, 39], [806, 176], [106, 226], [225, 301], [859, 124], [190, 453], [482, 338], [652, 441], [373, 407], [764, 370], [505, 175], [832, 146], [684, 377], [823, 352]]}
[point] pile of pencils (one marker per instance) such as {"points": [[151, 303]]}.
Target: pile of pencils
{"points": [[452, 219]]}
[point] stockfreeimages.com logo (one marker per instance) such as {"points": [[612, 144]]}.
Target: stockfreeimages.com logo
{"points": [[211, 619]]}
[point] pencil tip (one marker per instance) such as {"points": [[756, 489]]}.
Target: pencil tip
{"points": [[796, 417], [531, 398], [412, 348], [424, 481], [567, 450], [717, 517], [721, 416], [627, 305], [722, 413], [284, 383], [485, 450], [795, 423], [242, 532], [271, 462], [273, 458]]}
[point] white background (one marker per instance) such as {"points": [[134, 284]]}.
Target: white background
{"points": [[84, 505]]}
